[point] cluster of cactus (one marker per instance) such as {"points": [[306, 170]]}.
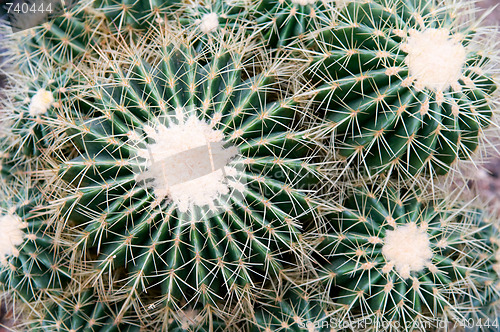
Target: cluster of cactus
{"points": [[248, 165]]}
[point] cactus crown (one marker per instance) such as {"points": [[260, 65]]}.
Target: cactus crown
{"points": [[398, 256], [403, 85], [187, 174]]}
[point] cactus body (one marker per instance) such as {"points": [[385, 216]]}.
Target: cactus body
{"points": [[194, 239], [486, 303], [214, 15], [82, 311], [285, 22], [174, 155], [30, 256], [403, 86], [29, 114], [398, 258], [134, 16], [64, 40], [202, 16], [291, 310]]}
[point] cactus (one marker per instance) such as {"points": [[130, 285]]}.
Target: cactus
{"points": [[203, 17], [64, 40], [192, 237], [215, 14], [164, 167], [404, 85], [486, 304], [217, 17], [280, 23], [30, 107], [135, 16], [290, 309], [199, 18], [396, 258], [81, 311], [30, 257], [288, 21]]}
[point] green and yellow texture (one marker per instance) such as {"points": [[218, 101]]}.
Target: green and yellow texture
{"points": [[130, 195], [404, 86], [400, 259], [166, 167]]}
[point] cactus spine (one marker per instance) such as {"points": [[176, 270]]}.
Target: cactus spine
{"points": [[172, 166], [403, 85], [189, 238], [397, 257]]}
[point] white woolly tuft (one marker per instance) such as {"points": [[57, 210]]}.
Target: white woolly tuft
{"points": [[435, 58], [41, 102], [187, 163], [209, 22], [11, 236], [407, 248]]}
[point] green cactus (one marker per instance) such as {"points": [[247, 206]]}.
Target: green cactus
{"points": [[486, 304], [228, 17], [159, 167], [205, 238], [8, 160], [286, 22], [403, 84], [198, 18], [30, 107], [193, 320], [64, 40], [31, 254], [396, 258], [82, 310], [280, 23], [290, 309], [133, 16]]}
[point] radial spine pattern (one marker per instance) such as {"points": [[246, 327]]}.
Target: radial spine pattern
{"points": [[398, 259], [189, 175], [404, 85]]}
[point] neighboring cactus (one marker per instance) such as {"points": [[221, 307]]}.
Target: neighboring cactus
{"points": [[29, 112], [280, 23], [30, 257], [200, 17], [63, 41], [194, 320], [82, 311], [8, 160], [147, 200], [486, 303], [395, 257], [133, 16], [286, 22], [205, 18], [291, 309], [405, 84], [159, 167]]}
